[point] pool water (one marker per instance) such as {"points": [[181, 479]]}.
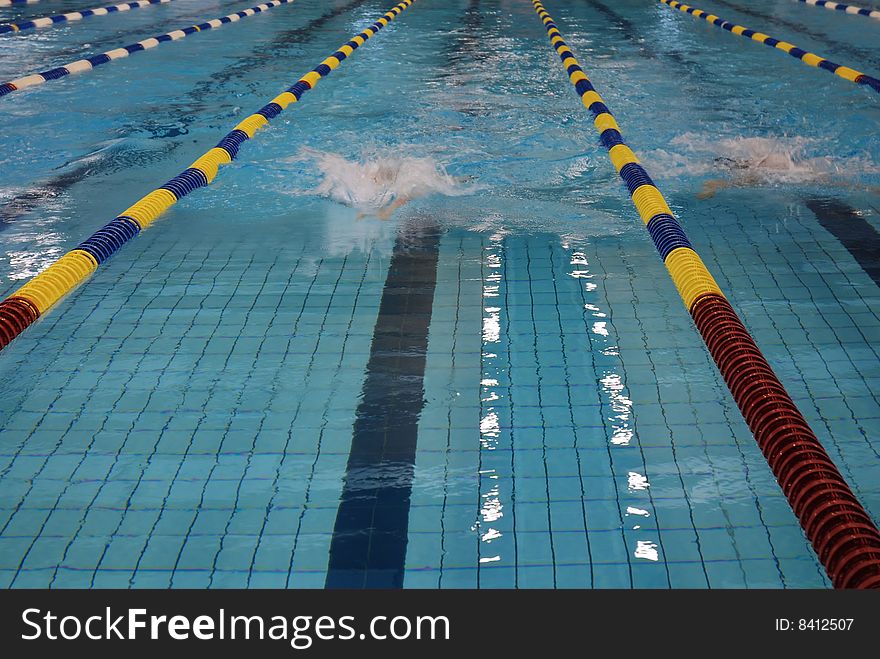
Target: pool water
{"points": [[496, 387]]}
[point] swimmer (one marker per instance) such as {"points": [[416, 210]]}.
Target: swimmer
{"points": [[385, 177], [771, 168], [403, 191], [382, 182]]}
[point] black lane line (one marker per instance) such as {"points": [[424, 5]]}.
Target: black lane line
{"points": [[274, 48], [369, 542], [854, 232], [632, 33], [697, 73]]}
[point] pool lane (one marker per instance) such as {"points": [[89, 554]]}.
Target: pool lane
{"points": [[806, 57], [89, 63], [123, 157], [850, 10], [32, 300], [841, 531], [744, 532]]}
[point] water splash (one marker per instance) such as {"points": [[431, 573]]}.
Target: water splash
{"points": [[760, 160], [379, 178]]}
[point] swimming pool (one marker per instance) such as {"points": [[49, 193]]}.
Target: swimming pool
{"points": [[217, 405]]}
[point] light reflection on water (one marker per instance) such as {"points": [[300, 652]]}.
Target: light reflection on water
{"points": [[615, 397], [491, 506], [612, 385], [497, 485]]}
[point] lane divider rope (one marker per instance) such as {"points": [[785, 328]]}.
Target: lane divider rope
{"points": [[46, 21], [90, 63], [24, 306], [8, 3], [841, 531], [806, 57], [839, 6]]}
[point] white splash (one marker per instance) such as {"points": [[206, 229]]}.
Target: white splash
{"points": [[492, 325], [379, 178], [492, 509], [756, 160], [600, 328], [491, 535]]}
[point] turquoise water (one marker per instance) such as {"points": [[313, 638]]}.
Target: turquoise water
{"points": [[186, 417]]}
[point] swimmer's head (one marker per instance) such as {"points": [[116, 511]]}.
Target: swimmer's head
{"points": [[777, 161], [732, 163], [384, 174], [773, 161]]}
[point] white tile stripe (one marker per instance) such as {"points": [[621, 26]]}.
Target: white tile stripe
{"points": [[118, 53]]}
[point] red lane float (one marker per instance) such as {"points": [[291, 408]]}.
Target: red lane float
{"points": [[839, 528]]}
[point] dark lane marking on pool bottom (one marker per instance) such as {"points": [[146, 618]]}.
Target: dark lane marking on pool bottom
{"points": [[368, 548], [854, 232]]}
